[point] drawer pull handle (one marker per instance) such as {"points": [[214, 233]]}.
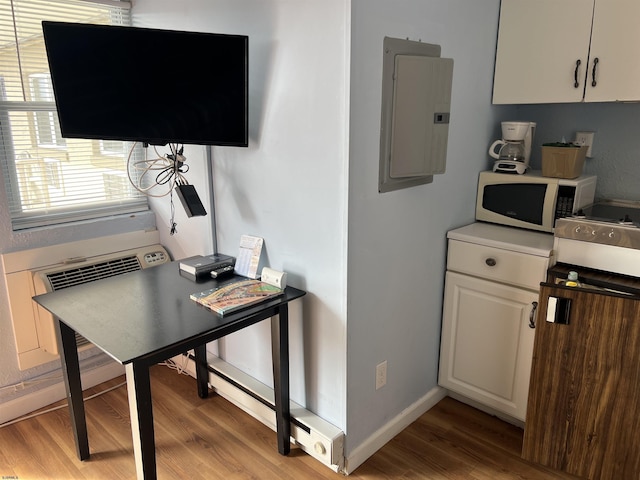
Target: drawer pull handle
{"points": [[532, 315], [491, 262]]}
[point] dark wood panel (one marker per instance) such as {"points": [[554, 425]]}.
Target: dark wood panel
{"points": [[585, 387]]}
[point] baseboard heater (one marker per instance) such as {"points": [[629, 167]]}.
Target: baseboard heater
{"points": [[314, 435]]}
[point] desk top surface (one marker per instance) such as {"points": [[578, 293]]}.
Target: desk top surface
{"points": [[136, 314]]}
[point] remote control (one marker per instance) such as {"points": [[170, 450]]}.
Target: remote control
{"points": [[218, 272]]}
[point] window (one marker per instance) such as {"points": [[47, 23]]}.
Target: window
{"points": [[46, 125], [110, 147], [50, 179]]}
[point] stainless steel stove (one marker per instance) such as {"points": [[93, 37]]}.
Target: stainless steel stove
{"points": [[604, 236]]}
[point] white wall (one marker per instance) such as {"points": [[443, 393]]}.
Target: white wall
{"points": [[193, 236], [289, 186], [397, 240]]}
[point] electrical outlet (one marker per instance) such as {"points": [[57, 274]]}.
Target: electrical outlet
{"points": [[586, 139], [381, 375]]}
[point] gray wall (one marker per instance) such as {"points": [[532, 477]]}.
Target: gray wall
{"points": [[315, 91], [397, 240]]}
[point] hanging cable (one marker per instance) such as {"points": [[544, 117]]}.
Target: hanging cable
{"points": [[158, 177], [167, 171]]}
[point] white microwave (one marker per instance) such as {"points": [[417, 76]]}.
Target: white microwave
{"points": [[531, 201]]}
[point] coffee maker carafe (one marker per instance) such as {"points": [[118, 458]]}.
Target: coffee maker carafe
{"points": [[515, 147]]}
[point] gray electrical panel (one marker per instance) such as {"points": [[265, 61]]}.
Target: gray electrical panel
{"points": [[416, 106]]}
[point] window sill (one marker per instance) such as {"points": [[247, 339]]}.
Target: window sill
{"points": [[73, 231]]}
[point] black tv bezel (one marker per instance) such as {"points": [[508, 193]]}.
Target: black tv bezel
{"points": [[149, 139]]}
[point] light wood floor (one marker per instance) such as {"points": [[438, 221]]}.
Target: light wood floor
{"points": [[213, 439]]}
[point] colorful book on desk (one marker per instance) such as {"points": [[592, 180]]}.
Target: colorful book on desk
{"points": [[236, 295]]}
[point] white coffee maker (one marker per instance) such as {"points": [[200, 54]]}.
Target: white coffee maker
{"points": [[515, 147]]}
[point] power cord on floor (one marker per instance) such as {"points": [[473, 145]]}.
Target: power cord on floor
{"points": [[180, 368], [26, 417]]}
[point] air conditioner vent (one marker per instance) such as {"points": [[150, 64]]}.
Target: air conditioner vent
{"points": [[89, 273]]}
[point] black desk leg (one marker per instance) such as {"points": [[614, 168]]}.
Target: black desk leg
{"points": [[140, 408], [280, 357], [202, 371], [71, 373]]}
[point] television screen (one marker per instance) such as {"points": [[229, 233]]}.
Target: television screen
{"points": [[148, 85]]}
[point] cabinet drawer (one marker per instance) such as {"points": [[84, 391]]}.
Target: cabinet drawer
{"points": [[513, 268]]}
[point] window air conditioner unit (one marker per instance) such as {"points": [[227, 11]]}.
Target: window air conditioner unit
{"points": [[86, 271], [47, 269]]}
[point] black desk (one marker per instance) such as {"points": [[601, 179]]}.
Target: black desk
{"points": [[145, 317]]}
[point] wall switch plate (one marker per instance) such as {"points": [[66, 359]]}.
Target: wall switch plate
{"points": [[586, 139]]}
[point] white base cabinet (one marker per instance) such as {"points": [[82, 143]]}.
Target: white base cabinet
{"points": [[490, 305], [488, 354]]}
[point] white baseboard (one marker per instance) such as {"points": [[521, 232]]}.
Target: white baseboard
{"points": [[376, 441], [26, 404]]}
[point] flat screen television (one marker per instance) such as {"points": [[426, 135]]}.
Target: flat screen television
{"points": [[149, 85]]}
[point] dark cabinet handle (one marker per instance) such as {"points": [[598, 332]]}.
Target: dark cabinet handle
{"points": [[491, 262], [576, 84], [593, 72], [532, 315]]}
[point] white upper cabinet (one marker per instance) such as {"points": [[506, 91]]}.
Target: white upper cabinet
{"points": [[615, 43], [552, 51]]}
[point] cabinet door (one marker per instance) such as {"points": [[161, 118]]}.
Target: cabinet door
{"points": [[539, 44], [584, 396], [615, 38], [487, 343]]}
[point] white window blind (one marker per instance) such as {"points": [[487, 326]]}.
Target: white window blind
{"points": [[50, 179]]}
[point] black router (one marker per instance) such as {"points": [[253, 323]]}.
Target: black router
{"points": [[190, 200]]}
